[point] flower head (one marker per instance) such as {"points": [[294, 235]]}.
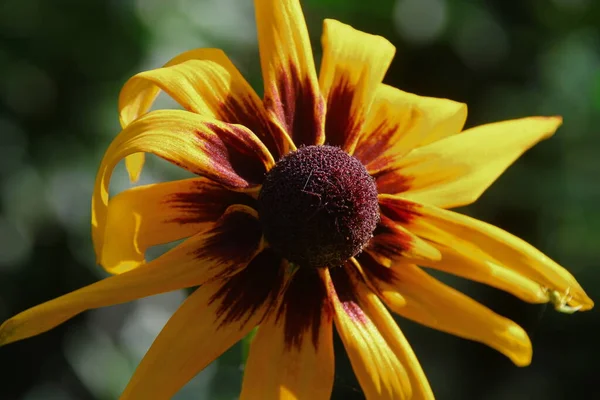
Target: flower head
{"points": [[311, 209]]}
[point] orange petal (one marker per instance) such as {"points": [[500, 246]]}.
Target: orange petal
{"points": [[210, 321], [352, 68], [149, 215], [488, 246], [432, 303], [218, 252], [229, 154], [456, 170], [207, 83], [291, 357], [292, 94], [378, 369], [399, 122]]}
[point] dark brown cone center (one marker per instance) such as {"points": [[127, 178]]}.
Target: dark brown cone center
{"points": [[318, 206]]}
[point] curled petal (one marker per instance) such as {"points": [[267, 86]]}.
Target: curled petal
{"points": [[155, 214], [399, 122], [137, 97], [432, 303], [292, 353], [210, 321], [292, 95], [217, 252], [378, 368], [456, 170], [206, 83], [352, 68], [228, 154], [490, 248]]}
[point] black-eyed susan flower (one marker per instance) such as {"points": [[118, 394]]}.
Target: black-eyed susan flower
{"points": [[311, 209]]}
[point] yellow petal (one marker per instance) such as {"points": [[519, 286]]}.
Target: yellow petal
{"points": [[473, 265], [434, 304], [397, 342], [489, 247], [291, 357], [228, 154], [292, 95], [395, 243], [149, 215], [378, 369], [399, 122], [209, 85], [352, 68], [210, 321], [136, 99], [217, 252], [456, 170]]}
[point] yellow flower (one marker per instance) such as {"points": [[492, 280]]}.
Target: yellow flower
{"points": [[311, 209]]}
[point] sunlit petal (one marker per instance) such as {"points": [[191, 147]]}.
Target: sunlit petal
{"points": [[218, 252], [378, 369], [456, 170], [150, 215], [210, 321], [207, 83], [488, 246], [292, 95], [434, 304], [352, 68], [399, 122], [291, 356], [229, 154]]}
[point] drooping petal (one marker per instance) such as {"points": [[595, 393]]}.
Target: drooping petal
{"points": [[488, 247], [218, 252], [377, 367], [210, 321], [432, 303], [207, 83], [456, 170], [291, 357], [393, 242], [228, 154], [292, 95], [352, 68], [137, 100], [155, 214], [399, 122]]}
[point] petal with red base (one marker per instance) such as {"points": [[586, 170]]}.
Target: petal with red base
{"points": [[292, 95], [352, 68]]}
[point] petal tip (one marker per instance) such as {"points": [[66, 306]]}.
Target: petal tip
{"points": [[521, 351]]}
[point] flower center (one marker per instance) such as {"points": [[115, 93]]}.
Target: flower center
{"points": [[318, 206]]}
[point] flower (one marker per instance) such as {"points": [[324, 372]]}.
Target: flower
{"points": [[311, 209]]}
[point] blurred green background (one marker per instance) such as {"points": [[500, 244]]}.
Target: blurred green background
{"points": [[62, 63]]}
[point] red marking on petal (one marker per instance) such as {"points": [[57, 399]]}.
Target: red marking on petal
{"points": [[254, 286], [389, 242], [344, 288], [392, 182], [236, 237], [206, 202], [375, 270], [236, 155], [246, 113], [398, 210], [340, 122], [304, 303], [299, 107], [377, 143]]}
